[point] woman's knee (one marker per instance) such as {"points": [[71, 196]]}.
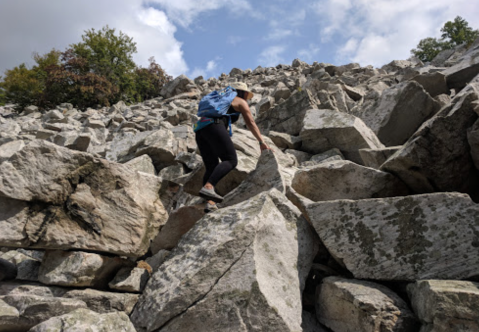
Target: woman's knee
{"points": [[234, 163]]}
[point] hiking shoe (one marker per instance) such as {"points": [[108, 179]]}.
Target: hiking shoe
{"points": [[210, 207], [210, 195]]}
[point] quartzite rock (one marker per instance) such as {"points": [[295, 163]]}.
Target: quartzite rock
{"points": [[376, 157], [86, 320], [268, 174], [399, 112], [98, 301], [446, 305], [26, 266], [240, 268], [433, 83], [343, 179], [402, 238], [436, 157], [21, 312], [326, 129], [179, 222], [362, 306], [57, 198], [288, 116], [465, 70], [78, 269], [130, 280]]}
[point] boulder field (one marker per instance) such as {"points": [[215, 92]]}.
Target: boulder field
{"points": [[363, 217]]}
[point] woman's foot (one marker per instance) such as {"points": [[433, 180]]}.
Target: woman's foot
{"points": [[210, 194]]}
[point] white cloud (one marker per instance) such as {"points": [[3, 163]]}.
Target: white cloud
{"points": [[278, 34], [38, 26], [184, 12], [235, 40], [378, 31], [271, 56], [209, 71]]}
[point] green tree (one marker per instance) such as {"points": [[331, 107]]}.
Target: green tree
{"points": [[3, 98], [110, 56], [427, 49], [23, 86], [458, 32], [454, 33]]}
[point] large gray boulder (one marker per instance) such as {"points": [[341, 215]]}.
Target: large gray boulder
{"points": [[9, 149], [19, 313], [434, 83], [179, 223], [436, 157], [374, 158], [268, 174], [343, 179], [401, 238], [240, 268], [355, 305], [399, 112], [180, 84], [78, 269], [85, 320], [465, 70], [325, 129], [446, 305], [287, 117], [473, 139], [56, 198]]}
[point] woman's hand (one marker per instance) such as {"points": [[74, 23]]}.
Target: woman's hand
{"points": [[263, 146]]}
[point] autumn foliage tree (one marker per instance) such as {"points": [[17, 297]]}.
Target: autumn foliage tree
{"points": [[99, 70]]}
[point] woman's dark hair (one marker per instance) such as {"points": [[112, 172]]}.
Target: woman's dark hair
{"points": [[242, 94]]}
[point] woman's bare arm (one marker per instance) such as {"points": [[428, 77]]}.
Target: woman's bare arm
{"points": [[240, 105]]}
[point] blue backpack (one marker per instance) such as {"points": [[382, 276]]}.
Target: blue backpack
{"points": [[215, 105]]}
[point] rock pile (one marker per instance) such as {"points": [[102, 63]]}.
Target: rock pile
{"points": [[364, 217]]}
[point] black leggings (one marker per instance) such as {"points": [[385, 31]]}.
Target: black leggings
{"points": [[215, 143]]}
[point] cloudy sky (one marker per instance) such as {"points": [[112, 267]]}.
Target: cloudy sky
{"points": [[209, 37]]}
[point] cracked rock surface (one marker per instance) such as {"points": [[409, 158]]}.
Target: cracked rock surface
{"points": [[220, 275]]}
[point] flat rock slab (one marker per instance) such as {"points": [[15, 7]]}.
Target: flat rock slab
{"points": [[21, 312], [325, 129], [402, 238], [343, 179], [86, 320], [96, 300], [56, 198], [240, 268], [355, 305], [437, 157], [446, 305]]}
